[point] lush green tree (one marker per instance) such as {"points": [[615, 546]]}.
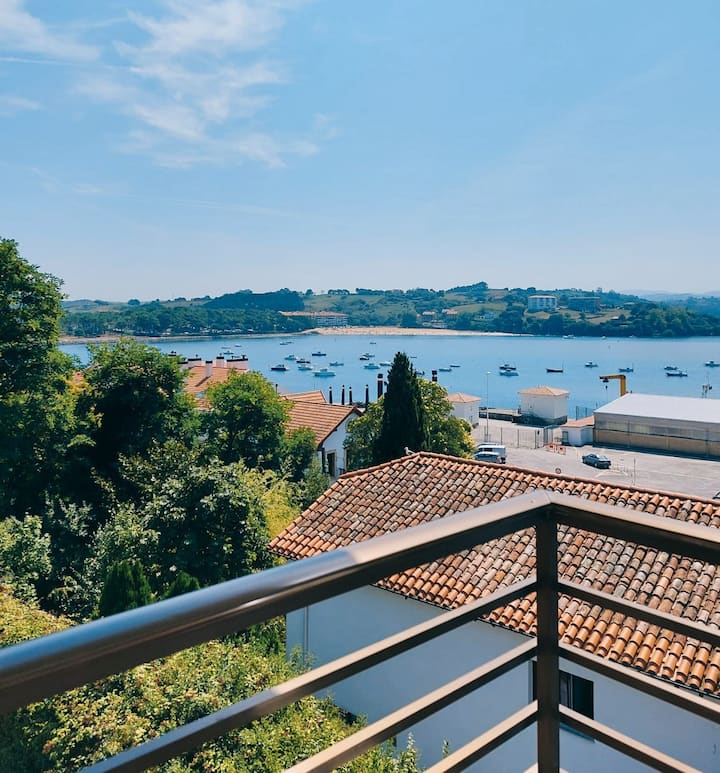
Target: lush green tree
{"points": [[135, 394], [298, 451], [24, 555], [210, 522], [361, 435], [446, 433], [314, 483], [246, 421], [126, 587], [403, 419], [36, 406]]}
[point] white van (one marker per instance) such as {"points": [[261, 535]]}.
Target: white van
{"points": [[493, 448]]}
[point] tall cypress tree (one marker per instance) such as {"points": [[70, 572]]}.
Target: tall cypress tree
{"points": [[403, 421]]}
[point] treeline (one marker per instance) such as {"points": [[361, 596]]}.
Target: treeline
{"points": [[642, 320], [116, 491], [156, 319]]}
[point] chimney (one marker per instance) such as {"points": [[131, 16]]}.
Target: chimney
{"points": [[330, 395], [208, 368], [220, 361], [367, 396], [434, 377], [342, 395], [380, 385], [350, 396]]}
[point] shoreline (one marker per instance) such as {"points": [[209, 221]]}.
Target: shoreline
{"points": [[347, 330]]}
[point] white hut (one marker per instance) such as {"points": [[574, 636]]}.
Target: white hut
{"points": [[544, 404], [465, 407]]}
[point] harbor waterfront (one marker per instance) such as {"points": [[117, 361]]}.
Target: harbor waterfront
{"points": [[471, 363]]}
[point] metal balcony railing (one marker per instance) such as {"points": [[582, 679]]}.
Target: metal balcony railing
{"points": [[52, 664]]}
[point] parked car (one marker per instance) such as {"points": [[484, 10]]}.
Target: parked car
{"points": [[597, 460], [493, 448], [488, 456]]}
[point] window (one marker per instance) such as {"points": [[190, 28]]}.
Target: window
{"points": [[575, 692], [331, 464]]}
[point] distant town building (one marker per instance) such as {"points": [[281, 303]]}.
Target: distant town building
{"points": [[542, 303], [321, 318], [544, 404], [465, 407]]}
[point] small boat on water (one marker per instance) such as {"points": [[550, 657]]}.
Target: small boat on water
{"points": [[371, 366], [712, 364], [302, 361], [554, 370], [671, 367], [324, 373], [591, 364], [506, 366], [281, 367], [290, 357], [386, 364], [679, 373], [631, 369], [305, 366], [445, 370], [454, 365], [508, 372], [285, 343], [336, 364], [318, 354]]}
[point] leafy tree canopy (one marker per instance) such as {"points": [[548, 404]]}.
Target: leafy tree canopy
{"points": [[246, 422]]}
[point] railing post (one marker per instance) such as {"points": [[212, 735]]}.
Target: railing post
{"points": [[548, 668]]}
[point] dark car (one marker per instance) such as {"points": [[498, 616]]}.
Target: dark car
{"points": [[488, 456], [596, 460]]}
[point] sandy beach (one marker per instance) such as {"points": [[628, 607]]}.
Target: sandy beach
{"points": [[347, 330]]}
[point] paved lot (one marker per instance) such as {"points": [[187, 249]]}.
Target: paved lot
{"points": [[698, 477]]}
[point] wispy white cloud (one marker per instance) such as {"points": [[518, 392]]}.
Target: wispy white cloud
{"points": [[11, 104], [21, 31], [192, 79]]}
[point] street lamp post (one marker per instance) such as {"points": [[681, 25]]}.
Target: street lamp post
{"points": [[487, 406]]}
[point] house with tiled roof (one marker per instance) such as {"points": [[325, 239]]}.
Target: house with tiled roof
{"points": [[328, 423], [465, 407], [423, 487], [544, 404], [199, 376]]}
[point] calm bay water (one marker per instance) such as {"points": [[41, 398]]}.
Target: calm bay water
{"points": [[477, 356]]}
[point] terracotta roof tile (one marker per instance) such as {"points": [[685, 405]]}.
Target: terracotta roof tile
{"points": [[422, 487], [320, 417]]}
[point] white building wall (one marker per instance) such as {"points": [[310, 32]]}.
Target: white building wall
{"points": [[335, 443], [338, 626], [549, 407], [468, 411]]}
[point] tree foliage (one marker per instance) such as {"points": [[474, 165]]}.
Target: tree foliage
{"points": [[90, 723], [403, 418], [24, 555], [446, 434], [35, 400], [246, 422], [126, 587]]}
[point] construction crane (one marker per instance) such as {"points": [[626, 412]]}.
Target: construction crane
{"points": [[621, 377]]}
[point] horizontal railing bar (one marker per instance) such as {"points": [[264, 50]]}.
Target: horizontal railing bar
{"points": [[667, 534], [191, 735], [631, 608], [42, 667], [487, 742], [705, 707], [630, 747], [414, 712]]}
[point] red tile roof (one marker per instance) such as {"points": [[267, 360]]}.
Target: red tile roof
{"points": [[197, 381], [423, 486], [322, 418]]}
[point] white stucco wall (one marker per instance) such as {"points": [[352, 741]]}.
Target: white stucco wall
{"points": [[469, 411], [343, 624], [549, 407], [335, 443]]}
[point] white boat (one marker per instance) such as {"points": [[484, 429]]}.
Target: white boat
{"points": [[324, 373], [371, 366]]}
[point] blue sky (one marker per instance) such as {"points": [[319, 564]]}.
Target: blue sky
{"points": [[188, 147]]}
